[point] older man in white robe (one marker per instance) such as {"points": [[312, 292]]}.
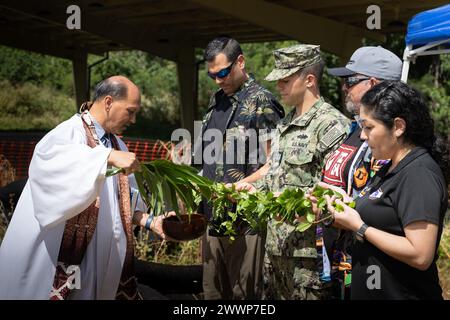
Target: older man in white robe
{"points": [[71, 212]]}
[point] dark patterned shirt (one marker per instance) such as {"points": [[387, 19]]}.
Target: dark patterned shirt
{"points": [[254, 114]]}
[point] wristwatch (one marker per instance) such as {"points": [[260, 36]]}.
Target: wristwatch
{"points": [[360, 233]]}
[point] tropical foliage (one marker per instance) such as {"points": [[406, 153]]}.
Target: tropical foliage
{"points": [[36, 93], [162, 184], [32, 83]]}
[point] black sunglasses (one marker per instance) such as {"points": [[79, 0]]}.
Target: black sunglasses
{"points": [[222, 73], [351, 81]]}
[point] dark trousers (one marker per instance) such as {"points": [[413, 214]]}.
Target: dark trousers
{"points": [[232, 269]]}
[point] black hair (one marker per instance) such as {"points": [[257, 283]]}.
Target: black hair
{"points": [[391, 99], [116, 89], [228, 46], [316, 70]]}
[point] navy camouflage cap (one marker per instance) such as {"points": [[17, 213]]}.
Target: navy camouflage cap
{"points": [[289, 60]]}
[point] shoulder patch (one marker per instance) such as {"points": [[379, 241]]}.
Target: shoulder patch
{"points": [[331, 136]]}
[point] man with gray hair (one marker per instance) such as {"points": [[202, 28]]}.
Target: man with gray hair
{"points": [[351, 166]]}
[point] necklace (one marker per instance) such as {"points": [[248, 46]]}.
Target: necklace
{"points": [[402, 156]]}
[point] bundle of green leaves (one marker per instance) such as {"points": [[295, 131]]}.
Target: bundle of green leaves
{"points": [[257, 208], [162, 183]]}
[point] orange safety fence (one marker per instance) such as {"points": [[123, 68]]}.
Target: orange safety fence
{"points": [[18, 147]]}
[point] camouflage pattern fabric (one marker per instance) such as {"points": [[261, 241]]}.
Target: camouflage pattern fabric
{"points": [[254, 109], [292, 278], [289, 60], [299, 150]]}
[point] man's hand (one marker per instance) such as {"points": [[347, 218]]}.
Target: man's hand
{"points": [[140, 219], [314, 200], [349, 219], [124, 160], [245, 186], [344, 194], [181, 153], [156, 225]]}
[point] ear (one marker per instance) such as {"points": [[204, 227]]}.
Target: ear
{"points": [[108, 103], [310, 80], [241, 62], [373, 81], [399, 127]]}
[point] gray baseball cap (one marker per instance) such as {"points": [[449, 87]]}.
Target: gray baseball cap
{"points": [[374, 62]]}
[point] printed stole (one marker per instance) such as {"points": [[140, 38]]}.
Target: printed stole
{"points": [[79, 231]]}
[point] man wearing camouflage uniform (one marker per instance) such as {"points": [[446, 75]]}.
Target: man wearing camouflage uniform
{"points": [[303, 141]]}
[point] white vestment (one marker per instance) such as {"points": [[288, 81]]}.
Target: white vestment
{"points": [[65, 177]]}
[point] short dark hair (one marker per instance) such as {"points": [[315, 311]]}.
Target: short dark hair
{"points": [[316, 70], [116, 89], [228, 46], [391, 99]]}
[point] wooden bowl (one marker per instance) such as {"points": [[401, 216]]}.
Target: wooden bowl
{"points": [[182, 229]]}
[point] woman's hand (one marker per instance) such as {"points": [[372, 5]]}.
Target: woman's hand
{"points": [[348, 219]]}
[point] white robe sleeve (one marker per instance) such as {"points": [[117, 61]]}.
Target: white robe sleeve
{"points": [[65, 174]]}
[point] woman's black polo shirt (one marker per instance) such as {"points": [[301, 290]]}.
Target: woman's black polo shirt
{"points": [[414, 191]]}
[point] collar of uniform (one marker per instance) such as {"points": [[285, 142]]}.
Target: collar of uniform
{"points": [[415, 153], [304, 119]]}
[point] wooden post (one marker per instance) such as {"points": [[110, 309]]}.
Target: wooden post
{"points": [[80, 76], [187, 73]]}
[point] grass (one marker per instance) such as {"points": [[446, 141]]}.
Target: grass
{"points": [[443, 262], [166, 252]]}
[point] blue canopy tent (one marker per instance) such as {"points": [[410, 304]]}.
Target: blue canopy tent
{"points": [[426, 32]]}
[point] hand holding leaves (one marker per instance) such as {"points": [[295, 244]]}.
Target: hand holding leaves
{"points": [[161, 183], [291, 206]]}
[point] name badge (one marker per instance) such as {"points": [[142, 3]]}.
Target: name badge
{"points": [[376, 195]]}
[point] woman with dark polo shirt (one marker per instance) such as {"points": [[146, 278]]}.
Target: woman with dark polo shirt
{"points": [[399, 216]]}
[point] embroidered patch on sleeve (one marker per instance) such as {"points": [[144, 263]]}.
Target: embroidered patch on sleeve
{"points": [[330, 137]]}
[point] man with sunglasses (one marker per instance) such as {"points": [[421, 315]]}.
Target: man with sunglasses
{"points": [[232, 270], [351, 166]]}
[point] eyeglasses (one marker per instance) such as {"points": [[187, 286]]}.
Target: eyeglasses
{"points": [[351, 81], [222, 73]]}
